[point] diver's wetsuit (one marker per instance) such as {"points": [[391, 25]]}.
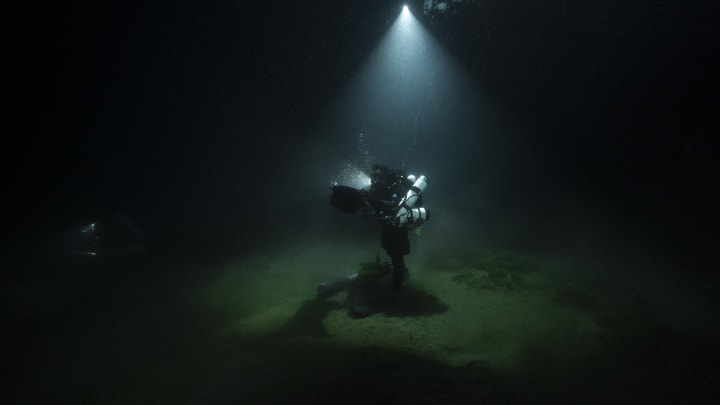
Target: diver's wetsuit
{"points": [[383, 198]]}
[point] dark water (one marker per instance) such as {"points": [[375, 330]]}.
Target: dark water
{"points": [[201, 135]]}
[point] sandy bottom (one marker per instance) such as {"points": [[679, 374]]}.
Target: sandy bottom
{"points": [[471, 325]]}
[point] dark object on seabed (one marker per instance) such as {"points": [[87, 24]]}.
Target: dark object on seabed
{"points": [[346, 199], [360, 311], [332, 287], [368, 271]]}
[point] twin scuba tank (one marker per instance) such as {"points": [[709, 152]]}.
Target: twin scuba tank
{"points": [[403, 212], [407, 214]]}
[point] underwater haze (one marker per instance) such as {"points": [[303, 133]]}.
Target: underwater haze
{"points": [[170, 236]]}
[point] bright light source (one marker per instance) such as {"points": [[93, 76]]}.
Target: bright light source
{"points": [[405, 10]]}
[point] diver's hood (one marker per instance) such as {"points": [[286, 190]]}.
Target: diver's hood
{"points": [[346, 199]]}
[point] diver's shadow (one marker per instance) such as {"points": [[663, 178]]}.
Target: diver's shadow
{"points": [[307, 321], [363, 299], [377, 297]]}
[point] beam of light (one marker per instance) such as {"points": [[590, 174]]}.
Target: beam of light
{"points": [[408, 103], [393, 91], [351, 175]]}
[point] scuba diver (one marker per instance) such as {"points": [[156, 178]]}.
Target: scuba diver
{"points": [[394, 200]]}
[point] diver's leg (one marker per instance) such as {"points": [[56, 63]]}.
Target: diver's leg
{"points": [[399, 272], [397, 244]]}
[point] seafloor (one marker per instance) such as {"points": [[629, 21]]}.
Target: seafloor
{"points": [[472, 325]]}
